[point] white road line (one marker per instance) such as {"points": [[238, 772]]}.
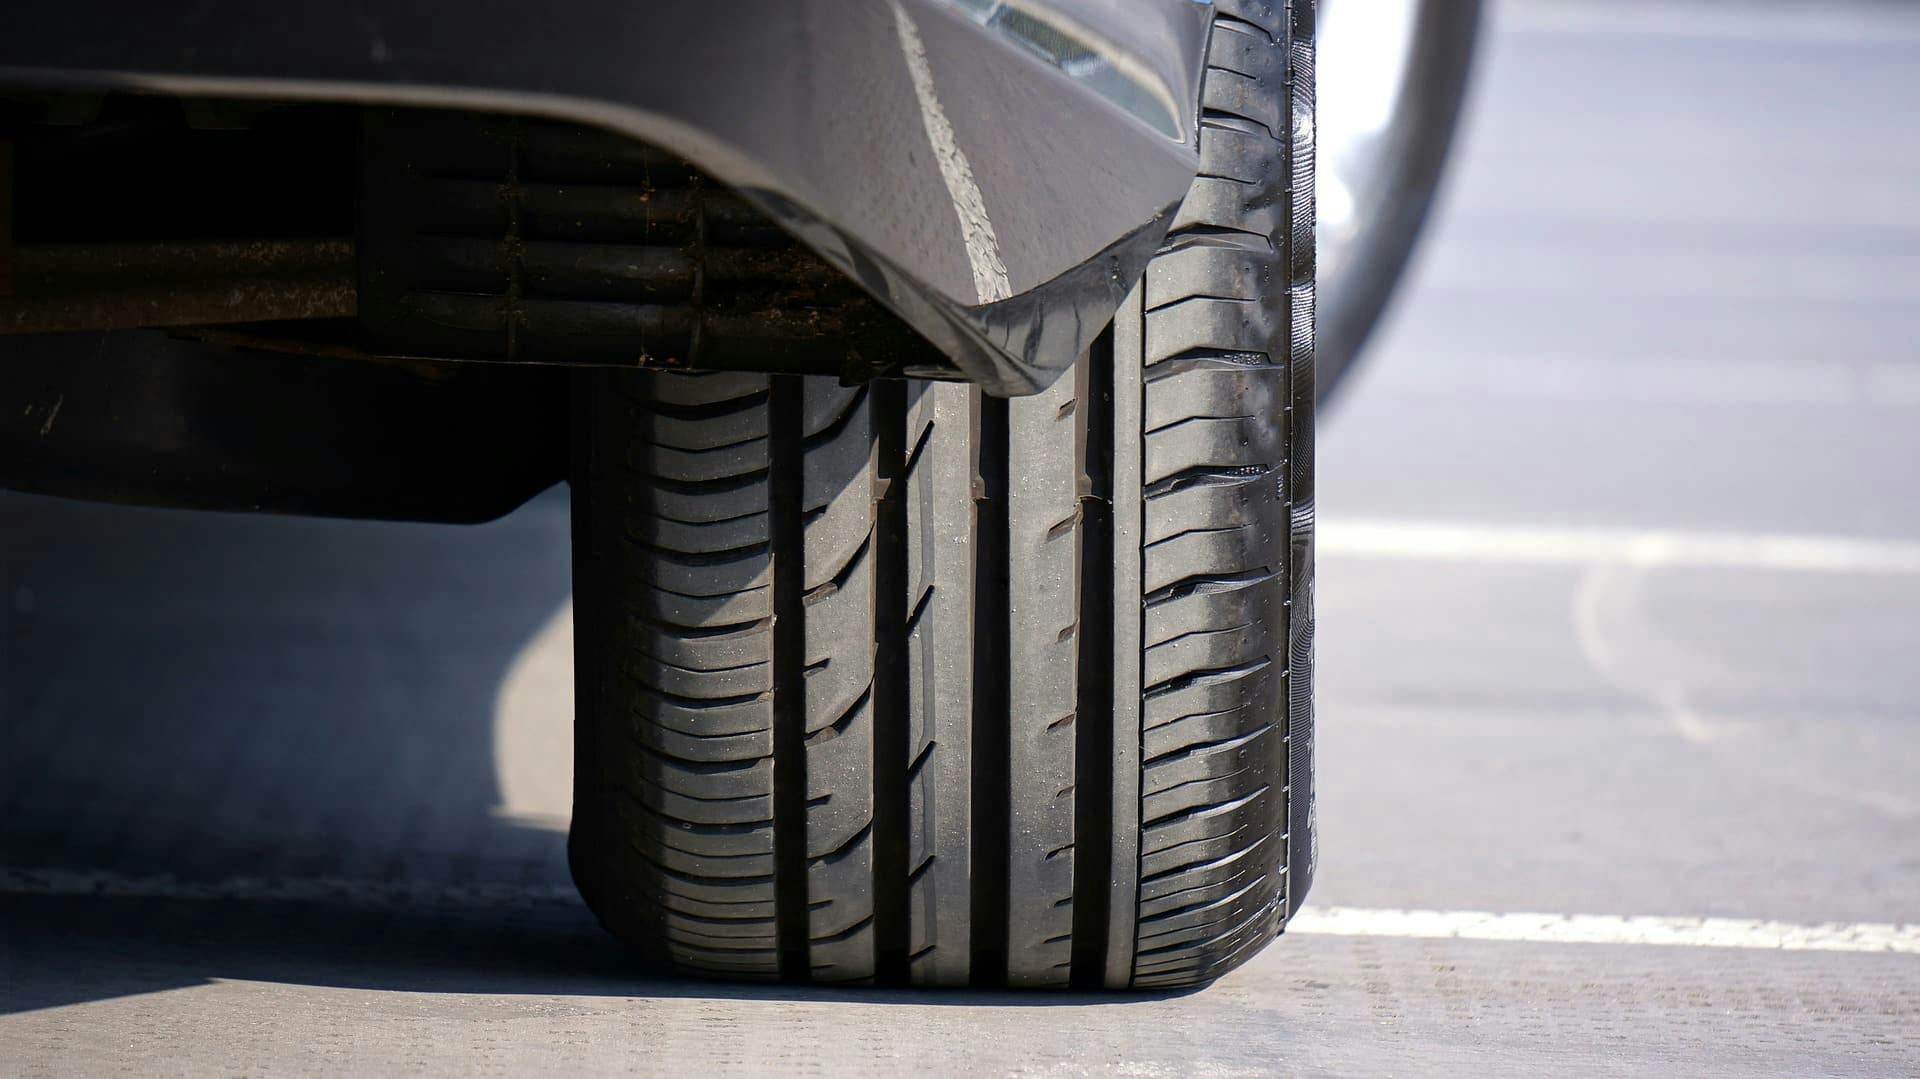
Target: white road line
{"points": [[1903, 939], [1443, 542], [1800, 22], [1676, 378]]}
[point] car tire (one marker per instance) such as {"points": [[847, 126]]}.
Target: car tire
{"points": [[899, 683]]}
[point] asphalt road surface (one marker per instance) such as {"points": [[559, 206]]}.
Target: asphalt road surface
{"points": [[1620, 600]]}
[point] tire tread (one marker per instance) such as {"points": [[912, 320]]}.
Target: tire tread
{"points": [[899, 683]]}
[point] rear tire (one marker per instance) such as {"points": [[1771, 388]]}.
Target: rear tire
{"points": [[900, 683]]}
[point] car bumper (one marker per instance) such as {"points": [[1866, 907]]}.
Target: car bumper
{"points": [[995, 171]]}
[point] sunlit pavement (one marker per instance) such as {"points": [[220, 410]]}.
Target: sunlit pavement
{"points": [[1619, 601]]}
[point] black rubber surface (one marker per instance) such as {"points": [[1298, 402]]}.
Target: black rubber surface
{"points": [[903, 683]]}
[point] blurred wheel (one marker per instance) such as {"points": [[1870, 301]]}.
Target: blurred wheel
{"points": [[1393, 74]]}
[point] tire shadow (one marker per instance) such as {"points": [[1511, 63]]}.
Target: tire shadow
{"points": [[192, 700], [198, 697], [65, 950]]}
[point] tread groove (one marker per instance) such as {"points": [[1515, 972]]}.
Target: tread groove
{"points": [[788, 543], [992, 749], [1092, 718], [892, 841]]}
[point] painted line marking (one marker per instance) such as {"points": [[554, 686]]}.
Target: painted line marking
{"points": [[1823, 22], [1444, 542], [1902, 939]]}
